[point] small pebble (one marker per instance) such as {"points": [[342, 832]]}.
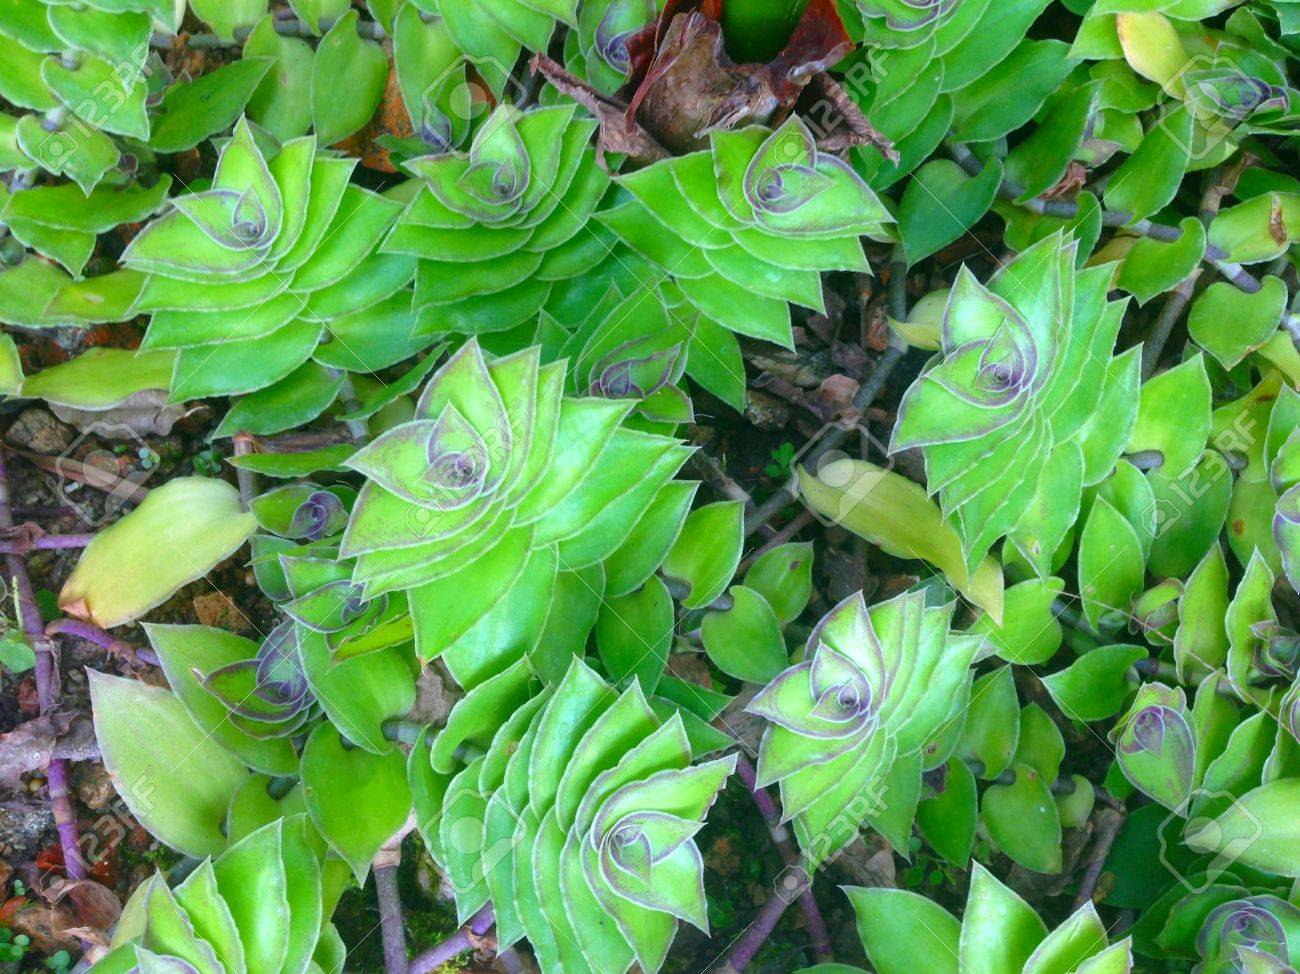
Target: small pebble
{"points": [[38, 431]]}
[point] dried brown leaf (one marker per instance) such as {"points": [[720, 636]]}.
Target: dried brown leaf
{"points": [[30, 745]]}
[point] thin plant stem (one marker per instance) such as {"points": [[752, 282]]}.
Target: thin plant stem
{"points": [[1110, 821], [797, 524], [832, 438], [466, 938], [102, 638], [357, 428], [1063, 209], [1165, 321], [21, 544], [755, 935], [47, 689], [816, 923], [91, 476], [717, 478], [391, 922]]}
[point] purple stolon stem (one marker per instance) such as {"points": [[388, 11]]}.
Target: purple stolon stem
{"points": [[102, 638], [47, 542], [64, 541], [459, 942], [392, 927], [47, 689], [766, 807], [755, 935], [821, 938]]}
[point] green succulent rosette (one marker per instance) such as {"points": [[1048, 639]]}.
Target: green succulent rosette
{"points": [[247, 278], [575, 818], [628, 347], [1222, 90], [912, 70], [1155, 745], [975, 72], [501, 497], [334, 654], [455, 60], [266, 696], [1025, 404], [848, 725], [263, 904], [1221, 918], [597, 52], [1258, 932], [297, 565], [496, 228], [613, 315], [749, 225], [998, 932]]}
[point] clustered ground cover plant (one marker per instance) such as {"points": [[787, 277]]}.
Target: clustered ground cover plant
{"points": [[460, 455]]}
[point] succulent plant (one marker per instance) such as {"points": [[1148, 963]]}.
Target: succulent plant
{"points": [[597, 51], [850, 727], [267, 695], [1006, 415], [246, 278], [630, 347], [492, 34], [718, 222], [1250, 933], [62, 223], [297, 566], [962, 69], [263, 901], [304, 512], [1229, 88], [1016, 752], [83, 76], [999, 932], [497, 227], [905, 23], [577, 823], [499, 486], [101, 102], [1156, 746], [467, 302], [1219, 916], [267, 722], [599, 320]]}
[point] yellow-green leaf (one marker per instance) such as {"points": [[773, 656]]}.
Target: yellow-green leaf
{"points": [[182, 530]]}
